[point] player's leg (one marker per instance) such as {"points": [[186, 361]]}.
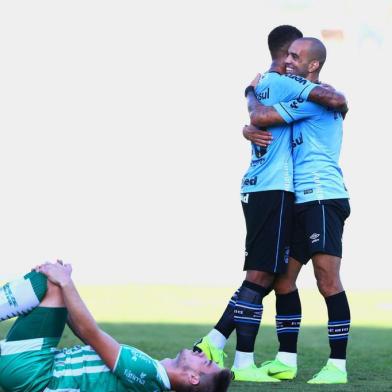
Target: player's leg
{"points": [[27, 353], [326, 261], [326, 269], [268, 217], [21, 295], [288, 319], [288, 304], [215, 341]]}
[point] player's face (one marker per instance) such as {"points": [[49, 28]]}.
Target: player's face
{"points": [[297, 61], [196, 361]]}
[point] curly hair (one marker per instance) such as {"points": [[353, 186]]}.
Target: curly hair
{"points": [[281, 37]]}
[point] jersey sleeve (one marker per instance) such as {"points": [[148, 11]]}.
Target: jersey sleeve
{"points": [[296, 87], [297, 109], [136, 369]]}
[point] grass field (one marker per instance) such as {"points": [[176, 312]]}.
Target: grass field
{"points": [[162, 319]]}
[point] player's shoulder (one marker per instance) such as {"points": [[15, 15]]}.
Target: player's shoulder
{"points": [[284, 80], [291, 78]]}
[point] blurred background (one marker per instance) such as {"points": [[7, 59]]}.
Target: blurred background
{"points": [[121, 147]]}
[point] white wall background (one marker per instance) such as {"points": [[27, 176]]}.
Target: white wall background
{"points": [[121, 147]]}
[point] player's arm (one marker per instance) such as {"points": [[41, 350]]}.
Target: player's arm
{"points": [[261, 115], [87, 329], [74, 328], [327, 96]]}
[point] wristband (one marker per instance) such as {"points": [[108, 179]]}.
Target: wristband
{"points": [[248, 90]]}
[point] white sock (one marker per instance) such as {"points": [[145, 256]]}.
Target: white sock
{"points": [[16, 298], [217, 339], [243, 360], [339, 363], [289, 359]]}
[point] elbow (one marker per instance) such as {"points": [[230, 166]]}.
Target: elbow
{"points": [[340, 103]]}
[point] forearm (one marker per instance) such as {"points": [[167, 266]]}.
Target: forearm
{"points": [[74, 328], [81, 319], [260, 115], [329, 98]]}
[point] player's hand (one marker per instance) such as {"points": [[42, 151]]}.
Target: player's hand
{"points": [[257, 136], [58, 273], [255, 81]]}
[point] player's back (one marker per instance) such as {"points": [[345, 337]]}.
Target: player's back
{"points": [[271, 167]]}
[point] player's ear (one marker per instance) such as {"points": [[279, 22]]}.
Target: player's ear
{"points": [[193, 378], [314, 66]]}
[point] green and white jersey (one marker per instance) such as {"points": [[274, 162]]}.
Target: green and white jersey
{"points": [[81, 369], [35, 365]]}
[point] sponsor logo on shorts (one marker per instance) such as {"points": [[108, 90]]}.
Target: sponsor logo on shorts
{"points": [[314, 237], [286, 254], [307, 191], [245, 197]]}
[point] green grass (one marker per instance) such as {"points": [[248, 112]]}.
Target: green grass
{"points": [[167, 318]]}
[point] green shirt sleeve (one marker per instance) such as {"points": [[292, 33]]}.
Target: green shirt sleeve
{"points": [[137, 371]]}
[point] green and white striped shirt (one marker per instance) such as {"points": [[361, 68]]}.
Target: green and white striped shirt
{"points": [[78, 369]]}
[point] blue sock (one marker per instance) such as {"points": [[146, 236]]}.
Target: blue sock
{"points": [[247, 315]]}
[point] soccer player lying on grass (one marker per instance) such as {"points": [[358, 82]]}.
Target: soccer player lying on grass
{"points": [[29, 360]]}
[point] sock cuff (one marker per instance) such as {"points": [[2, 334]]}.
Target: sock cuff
{"points": [[336, 298], [255, 287], [291, 294], [39, 282]]}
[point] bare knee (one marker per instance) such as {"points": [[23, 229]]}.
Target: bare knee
{"points": [[329, 285], [327, 273], [284, 285], [261, 278]]}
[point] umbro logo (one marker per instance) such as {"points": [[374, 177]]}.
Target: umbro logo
{"points": [[314, 237]]}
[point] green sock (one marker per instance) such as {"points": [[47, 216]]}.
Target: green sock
{"points": [[22, 295]]}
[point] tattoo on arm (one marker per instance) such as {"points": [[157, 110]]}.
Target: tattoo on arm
{"points": [[260, 115], [329, 98]]}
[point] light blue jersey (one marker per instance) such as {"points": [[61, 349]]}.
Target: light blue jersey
{"points": [[317, 139], [271, 167]]}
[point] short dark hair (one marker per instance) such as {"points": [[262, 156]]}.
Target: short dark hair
{"points": [[216, 382], [281, 37]]}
